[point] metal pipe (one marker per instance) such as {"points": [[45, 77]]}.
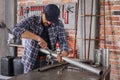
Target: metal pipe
{"points": [[90, 29], [104, 26], [85, 29], [76, 26], [78, 64], [105, 56]]}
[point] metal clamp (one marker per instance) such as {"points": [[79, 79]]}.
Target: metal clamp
{"points": [[49, 58]]}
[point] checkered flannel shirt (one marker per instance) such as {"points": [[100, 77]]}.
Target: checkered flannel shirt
{"points": [[31, 49]]}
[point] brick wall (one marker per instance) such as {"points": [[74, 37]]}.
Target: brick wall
{"points": [[112, 32]]}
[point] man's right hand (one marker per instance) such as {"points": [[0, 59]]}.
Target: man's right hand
{"points": [[42, 42]]}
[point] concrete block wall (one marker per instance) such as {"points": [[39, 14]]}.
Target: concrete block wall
{"points": [[7, 16], [112, 32], [2, 19]]}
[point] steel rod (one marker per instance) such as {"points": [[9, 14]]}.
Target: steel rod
{"points": [[104, 27], [111, 21], [76, 26], [76, 63], [84, 29], [90, 30]]}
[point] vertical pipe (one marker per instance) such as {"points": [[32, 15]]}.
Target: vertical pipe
{"points": [[63, 11], [76, 26], [66, 17], [21, 11], [104, 27], [85, 29], [90, 29]]}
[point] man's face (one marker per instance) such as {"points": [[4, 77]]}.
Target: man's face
{"points": [[45, 21]]}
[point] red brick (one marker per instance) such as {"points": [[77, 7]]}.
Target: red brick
{"points": [[102, 13], [101, 46], [101, 42], [112, 38], [115, 52], [115, 71], [112, 18], [116, 3], [116, 23], [109, 42], [109, 28], [108, 8], [109, 46], [115, 67], [117, 33], [114, 77], [102, 38], [106, 22], [112, 28], [106, 32], [115, 7], [114, 56], [115, 62], [106, 13], [106, 3]]}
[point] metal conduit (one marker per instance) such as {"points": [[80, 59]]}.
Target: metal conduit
{"points": [[90, 29], [78, 64], [85, 29]]}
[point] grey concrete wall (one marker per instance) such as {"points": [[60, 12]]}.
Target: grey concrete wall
{"points": [[10, 17], [3, 37], [10, 12], [7, 16]]}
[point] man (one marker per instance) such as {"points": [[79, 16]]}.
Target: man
{"points": [[41, 32]]}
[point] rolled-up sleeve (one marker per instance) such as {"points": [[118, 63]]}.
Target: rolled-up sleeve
{"points": [[21, 27], [17, 31]]}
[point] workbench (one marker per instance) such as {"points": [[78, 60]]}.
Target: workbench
{"points": [[63, 72]]}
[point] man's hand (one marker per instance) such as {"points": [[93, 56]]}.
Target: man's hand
{"points": [[42, 42], [30, 35], [59, 56]]}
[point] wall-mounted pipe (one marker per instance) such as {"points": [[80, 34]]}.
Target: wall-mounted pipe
{"points": [[85, 29], [78, 64], [91, 19]]}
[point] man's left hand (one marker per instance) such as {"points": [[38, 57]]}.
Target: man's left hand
{"points": [[63, 54]]}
